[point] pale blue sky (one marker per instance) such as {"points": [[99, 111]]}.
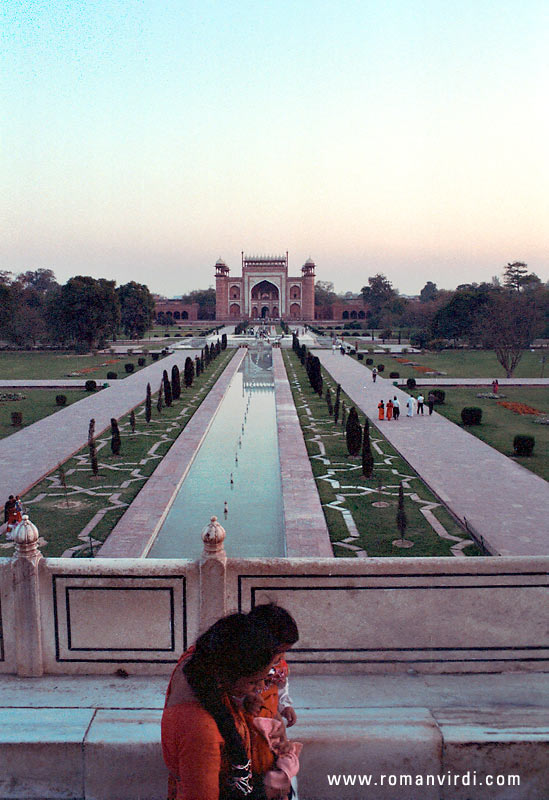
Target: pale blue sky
{"points": [[142, 140]]}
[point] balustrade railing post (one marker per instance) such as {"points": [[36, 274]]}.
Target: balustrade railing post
{"points": [[25, 580], [213, 575]]}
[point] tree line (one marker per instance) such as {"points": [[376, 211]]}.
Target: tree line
{"points": [[83, 313]]}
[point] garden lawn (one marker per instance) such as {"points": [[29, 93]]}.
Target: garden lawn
{"points": [[376, 526], [463, 364], [61, 518], [500, 425], [41, 365], [37, 403]]}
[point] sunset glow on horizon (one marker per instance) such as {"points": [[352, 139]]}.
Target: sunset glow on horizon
{"points": [[143, 140]]}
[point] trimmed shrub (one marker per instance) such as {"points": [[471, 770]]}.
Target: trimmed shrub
{"points": [[112, 376], [167, 389], [411, 383], [60, 399], [148, 403], [380, 367], [90, 386], [141, 361], [155, 356], [471, 415], [188, 335], [394, 374], [176, 382], [177, 336], [369, 361], [440, 396], [367, 457], [16, 418], [523, 445], [360, 356]]}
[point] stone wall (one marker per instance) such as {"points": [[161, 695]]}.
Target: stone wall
{"points": [[84, 616]]}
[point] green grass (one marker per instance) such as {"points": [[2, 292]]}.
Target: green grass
{"points": [[376, 526], [500, 425], [464, 364], [37, 404], [38, 365], [120, 476]]}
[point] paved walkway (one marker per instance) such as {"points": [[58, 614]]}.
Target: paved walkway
{"points": [[304, 522], [478, 381], [29, 454], [503, 502]]}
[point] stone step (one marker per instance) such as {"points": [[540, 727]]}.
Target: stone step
{"points": [[114, 754]]}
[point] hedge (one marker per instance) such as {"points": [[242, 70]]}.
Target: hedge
{"points": [[471, 415], [523, 445]]}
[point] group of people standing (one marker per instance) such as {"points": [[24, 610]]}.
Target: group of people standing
{"points": [[13, 513], [391, 409]]}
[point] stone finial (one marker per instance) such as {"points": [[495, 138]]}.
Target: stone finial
{"points": [[213, 537], [25, 536]]}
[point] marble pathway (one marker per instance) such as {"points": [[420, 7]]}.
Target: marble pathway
{"points": [[505, 503], [34, 451]]}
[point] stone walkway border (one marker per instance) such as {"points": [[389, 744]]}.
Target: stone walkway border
{"points": [[306, 530], [504, 503], [136, 531]]}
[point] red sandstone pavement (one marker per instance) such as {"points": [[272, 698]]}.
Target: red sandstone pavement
{"points": [[306, 531], [29, 454], [504, 502]]}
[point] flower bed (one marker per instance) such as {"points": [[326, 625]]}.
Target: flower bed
{"points": [[5, 396], [519, 408]]}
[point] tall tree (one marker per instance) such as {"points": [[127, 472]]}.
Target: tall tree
{"points": [[148, 404], [510, 323], [428, 293], [167, 389], [188, 372], [87, 310], [115, 437], [160, 398], [176, 382], [353, 433], [401, 520], [336, 404], [514, 275], [367, 457], [136, 309], [378, 295]]}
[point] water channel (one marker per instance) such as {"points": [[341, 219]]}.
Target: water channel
{"points": [[237, 464]]}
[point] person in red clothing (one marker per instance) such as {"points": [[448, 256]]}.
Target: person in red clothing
{"points": [[207, 742]]}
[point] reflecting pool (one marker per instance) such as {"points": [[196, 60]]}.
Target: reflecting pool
{"points": [[237, 464]]}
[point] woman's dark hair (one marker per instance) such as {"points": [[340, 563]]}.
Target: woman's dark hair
{"points": [[234, 647], [277, 620]]}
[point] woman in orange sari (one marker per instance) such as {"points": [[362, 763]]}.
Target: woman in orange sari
{"points": [[381, 410], [206, 739]]}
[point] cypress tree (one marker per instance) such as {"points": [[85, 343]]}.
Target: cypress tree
{"points": [[176, 382], [188, 372], [336, 404], [115, 437], [206, 354], [401, 520], [316, 381], [92, 448], [303, 354], [343, 414], [212, 352], [224, 341], [329, 401], [132, 420], [217, 348], [367, 457], [91, 430], [202, 365], [353, 433], [167, 389], [148, 403], [160, 399], [197, 366]]}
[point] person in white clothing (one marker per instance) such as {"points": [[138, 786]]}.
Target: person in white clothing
{"points": [[410, 407]]}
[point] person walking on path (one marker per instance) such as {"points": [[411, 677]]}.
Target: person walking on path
{"points": [[410, 407], [389, 409], [381, 410], [420, 400], [430, 402], [396, 408], [333, 348], [374, 374], [495, 386]]}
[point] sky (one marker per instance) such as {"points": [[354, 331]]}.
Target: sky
{"points": [[144, 139]]}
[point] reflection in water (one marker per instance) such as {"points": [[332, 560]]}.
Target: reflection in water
{"points": [[235, 475]]}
